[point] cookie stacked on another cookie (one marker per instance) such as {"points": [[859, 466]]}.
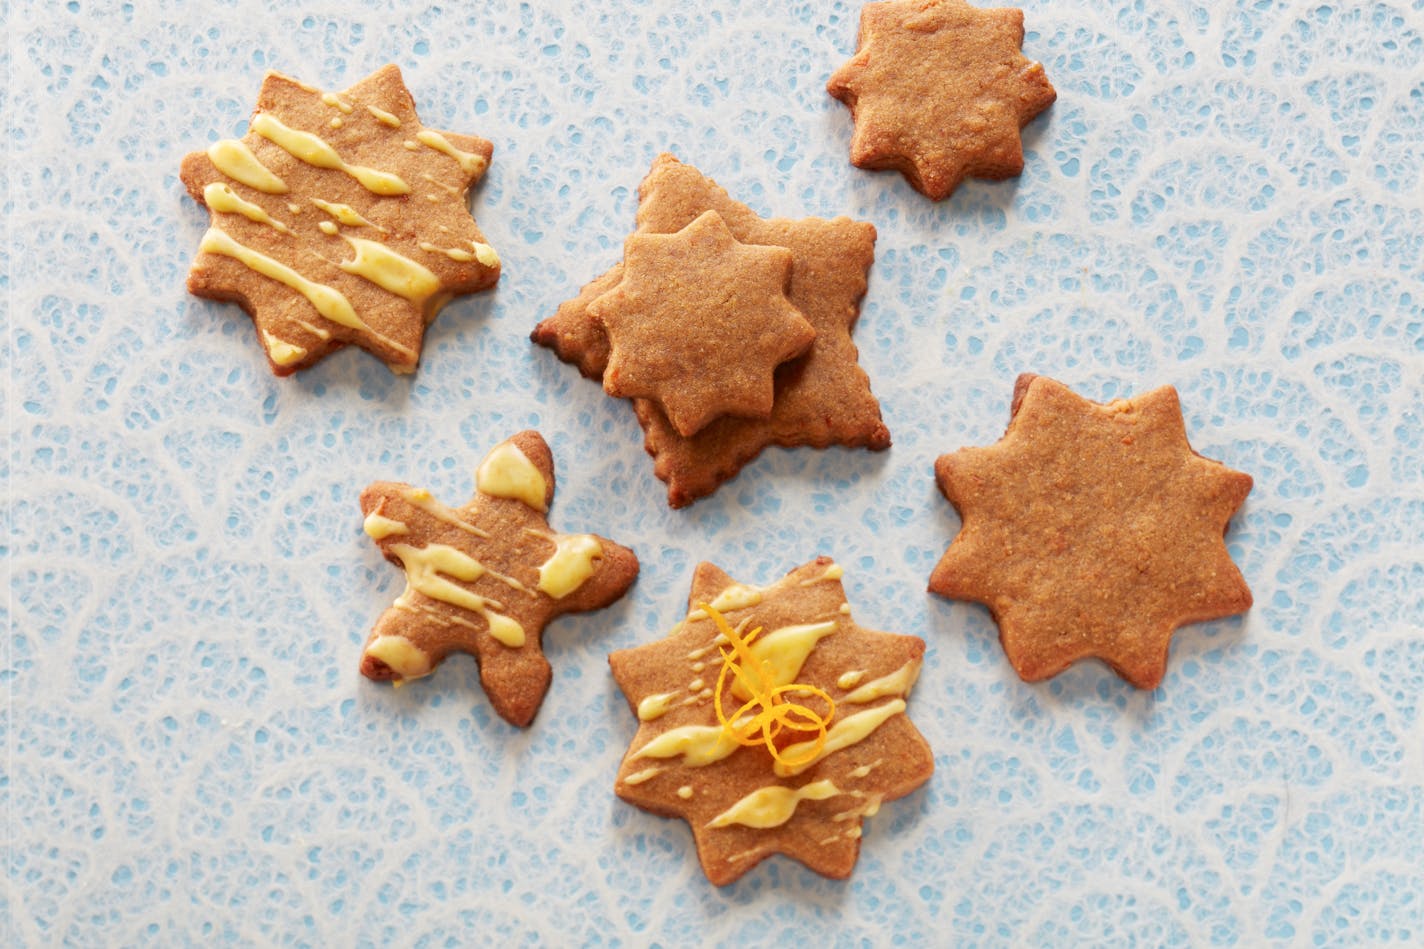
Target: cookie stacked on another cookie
{"points": [[729, 331]]}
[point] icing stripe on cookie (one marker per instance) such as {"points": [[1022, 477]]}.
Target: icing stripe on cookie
{"points": [[772, 806], [390, 271], [570, 565], [234, 159], [699, 745], [471, 163], [224, 200], [328, 301], [304, 146], [344, 213], [507, 472], [897, 683], [423, 569], [282, 352], [848, 731]]}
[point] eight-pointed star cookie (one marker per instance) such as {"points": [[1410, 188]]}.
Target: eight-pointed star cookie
{"points": [[699, 322], [487, 577], [338, 219], [939, 91], [1091, 530], [822, 397], [742, 804]]}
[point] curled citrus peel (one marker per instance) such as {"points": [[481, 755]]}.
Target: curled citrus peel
{"points": [[768, 712]]}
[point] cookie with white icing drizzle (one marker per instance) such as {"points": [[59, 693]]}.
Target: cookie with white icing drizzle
{"points": [[485, 578], [338, 219], [812, 733]]}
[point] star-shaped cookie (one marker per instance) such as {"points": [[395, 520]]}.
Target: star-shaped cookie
{"points": [[1091, 530], [338, 219], [742, 803], [699, 322], [487, 577], [821, 398], [939, 91]]}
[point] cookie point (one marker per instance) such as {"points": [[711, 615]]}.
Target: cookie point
{"points": [[394, 658]]}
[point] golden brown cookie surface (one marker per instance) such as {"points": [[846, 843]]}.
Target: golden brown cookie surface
{"points": [[699, 322], [1091, 530], [485, 578], [939, 90], [821, 398], [338, 219], [743, 802]]}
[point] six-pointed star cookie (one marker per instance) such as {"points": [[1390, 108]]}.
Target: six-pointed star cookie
{"points": [[1091, 530], [939, 91], [338, 219], [822, 398], [744, 805], [699, 323], [487, 577]]}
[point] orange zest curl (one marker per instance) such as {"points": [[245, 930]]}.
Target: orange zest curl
{"points": [[761, 719]]}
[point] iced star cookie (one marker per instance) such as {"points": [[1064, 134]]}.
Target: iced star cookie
{"points": [[338, 219], [699, 322], [1091, 530], [771, 722], [939, 91], [487, 577], [820, 398]]}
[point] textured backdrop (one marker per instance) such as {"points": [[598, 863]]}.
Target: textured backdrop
{"points": [[1227, 200]]}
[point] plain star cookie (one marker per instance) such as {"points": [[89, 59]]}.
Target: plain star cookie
{"points": [[939, 91], [699, 323], [338, 219], [487, 577], [1091, 530], [771, 722], [820, 398]]}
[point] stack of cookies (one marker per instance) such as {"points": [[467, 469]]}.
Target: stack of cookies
{"points": [[730, 332]]}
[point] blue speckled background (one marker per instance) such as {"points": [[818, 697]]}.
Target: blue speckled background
{"points": [[1226, 197]]}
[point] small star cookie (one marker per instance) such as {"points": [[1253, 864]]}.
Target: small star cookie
{"points": [[487, 577], [1091, 530], [939, 91], [821, 398], [771, 722], [699, 322], [338, 219]]}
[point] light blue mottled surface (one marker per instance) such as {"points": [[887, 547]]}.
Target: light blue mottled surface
{"points": [[1226, 197]]}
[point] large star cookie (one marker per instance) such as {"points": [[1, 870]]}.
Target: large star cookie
{"points": [[821, 398], [699, 323], [339, 219], [1091, 531], [796, 652], [939, 91], [487, 577]]}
